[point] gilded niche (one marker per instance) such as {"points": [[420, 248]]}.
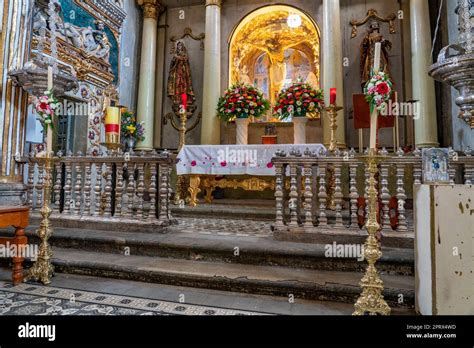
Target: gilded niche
{"points": [[273, 47]]}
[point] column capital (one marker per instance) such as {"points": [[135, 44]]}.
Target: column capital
{"points": [[214, 2], [151, 8]]}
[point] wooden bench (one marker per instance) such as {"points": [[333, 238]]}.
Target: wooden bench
{"points": [[17, 217]]}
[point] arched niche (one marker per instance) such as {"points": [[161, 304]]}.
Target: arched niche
{"points": [[275, 45]]}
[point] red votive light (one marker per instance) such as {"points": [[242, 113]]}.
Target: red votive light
{"points": [[184, 101], [332, 93]]}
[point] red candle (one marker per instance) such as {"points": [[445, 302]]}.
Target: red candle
{"points": [[332, 99], [184, 101]]}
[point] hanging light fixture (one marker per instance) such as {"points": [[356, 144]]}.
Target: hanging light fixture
{"points": [[457, 69], [294, 20]]}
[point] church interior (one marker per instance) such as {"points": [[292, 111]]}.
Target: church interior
{"points": [[236, 157]]}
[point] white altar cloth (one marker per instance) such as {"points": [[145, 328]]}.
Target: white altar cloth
{"points": [[235, 159]]}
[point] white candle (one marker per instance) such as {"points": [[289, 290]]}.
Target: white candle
{"points": [[373, 129], [49, 133], [378, 48], [374, 116]]}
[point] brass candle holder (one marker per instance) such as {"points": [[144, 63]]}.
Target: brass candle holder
{"points": [[371, 300], [332, 111], [42, 270], [183, 115]]}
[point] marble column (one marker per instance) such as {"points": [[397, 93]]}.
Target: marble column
{"points": [[426, 134], [210, 127], [160, 83], [146, 87], [333, 75]]}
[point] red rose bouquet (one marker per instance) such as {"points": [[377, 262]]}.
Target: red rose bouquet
{"points": [[299, 99], [242, 101], [378, 91], [47, 107]]}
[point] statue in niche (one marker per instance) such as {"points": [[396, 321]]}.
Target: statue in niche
{"points": [[367, 52], [179, 78]]}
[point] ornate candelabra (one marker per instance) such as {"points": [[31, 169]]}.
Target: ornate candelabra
{"points": [[371, 300], [42, 270], [183, 116], [332, 111]]}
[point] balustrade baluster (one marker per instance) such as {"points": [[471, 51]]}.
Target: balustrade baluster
{"points": [[164, 192], [98, 189], [401, 197], [78, 188], [88, 189], [451, 172], [67, 187], [57, 187], [279, 182], [417, 172], [118, 189], [468, 174], [140, 189], [323, 220], [108, 189], [384, 195], [293, 202], [338, 195], [152, 191], [308, 195], [31, 183], [353, 194], [131, 189]]}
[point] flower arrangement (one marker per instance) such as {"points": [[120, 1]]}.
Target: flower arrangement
{"points": [[47, 106], [299, 99], [130, 127], [378, 91], [242, 101]]}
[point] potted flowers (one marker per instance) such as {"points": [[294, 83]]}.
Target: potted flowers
{"points": [[131, 130], [296, 102], [239, 103]]}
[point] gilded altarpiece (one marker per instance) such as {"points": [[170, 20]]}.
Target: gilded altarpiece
{"points": [[88, 41], [274, 47]]}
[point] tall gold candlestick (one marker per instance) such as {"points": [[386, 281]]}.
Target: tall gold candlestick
{"points": [[332, 111], [42, 270], [371, 300]]}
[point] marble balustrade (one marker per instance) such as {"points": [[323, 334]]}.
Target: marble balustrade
{"points": [[314, 194], [110, 188]]}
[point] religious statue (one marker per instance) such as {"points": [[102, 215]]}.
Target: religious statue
{"points": [[93, 41], [179, 78], [367, 52]]}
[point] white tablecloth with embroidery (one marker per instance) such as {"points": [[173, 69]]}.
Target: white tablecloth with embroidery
{"points": [[234, 159]]}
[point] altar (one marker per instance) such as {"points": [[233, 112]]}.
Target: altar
{"points": [[209, 166]]}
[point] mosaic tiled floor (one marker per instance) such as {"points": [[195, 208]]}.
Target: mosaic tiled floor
{"points": [[224, 227], [28, 299]]}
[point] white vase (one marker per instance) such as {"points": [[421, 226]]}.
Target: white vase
{"points": [[242, 131], [299, 130]]}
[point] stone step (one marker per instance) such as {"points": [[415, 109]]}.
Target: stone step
{"points": [[265, 280], [260, 250]]}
